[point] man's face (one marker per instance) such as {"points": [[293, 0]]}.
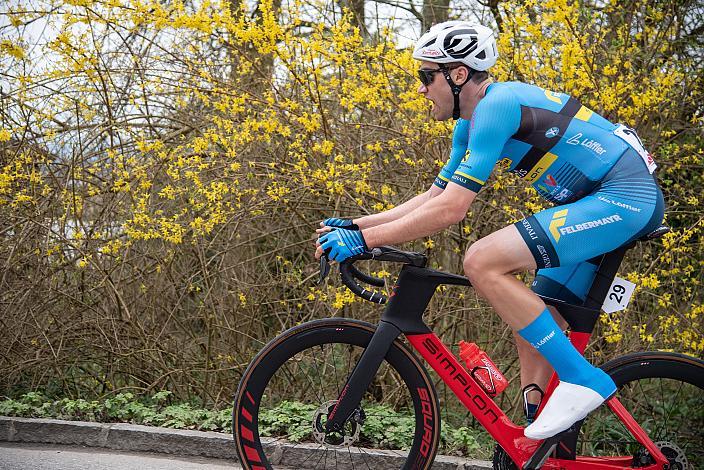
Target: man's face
{"points": [[438, 91]]}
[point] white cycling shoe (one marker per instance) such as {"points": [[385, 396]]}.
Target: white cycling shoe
{"points": [[568, 404]]}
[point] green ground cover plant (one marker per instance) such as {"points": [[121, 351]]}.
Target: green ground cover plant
{"points": [[383, 429]]}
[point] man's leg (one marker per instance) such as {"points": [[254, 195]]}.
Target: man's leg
{"points": [[535, 369], [490, 264], [566, 283], [535, 374], [563, 236]]}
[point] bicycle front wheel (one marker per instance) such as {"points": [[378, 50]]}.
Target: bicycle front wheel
{"points": [[664, 392], [291, 386]]}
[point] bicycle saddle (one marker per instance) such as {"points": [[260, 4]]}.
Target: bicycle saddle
{"points": [[657, 233]]}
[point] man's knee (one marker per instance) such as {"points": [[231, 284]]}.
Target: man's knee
{"points": [[478, 263]]}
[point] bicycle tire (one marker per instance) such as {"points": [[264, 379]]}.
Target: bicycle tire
{"points": [[311, 348], [664, 392], [643, 379]]}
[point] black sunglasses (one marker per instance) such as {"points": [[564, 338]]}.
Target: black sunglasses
{"points": [[426, 75]]}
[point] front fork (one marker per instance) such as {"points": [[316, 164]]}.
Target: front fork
{"points": [[414, 288], [362, 376]]}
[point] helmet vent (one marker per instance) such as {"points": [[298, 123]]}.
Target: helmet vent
{"points": [[460, 47], [429, 43]]}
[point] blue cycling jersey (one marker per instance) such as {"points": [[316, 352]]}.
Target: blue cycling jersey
{"points": [[549, 139], [603, 186]]}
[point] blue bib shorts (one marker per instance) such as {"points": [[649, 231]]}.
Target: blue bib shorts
{"points": [[564, 240]]}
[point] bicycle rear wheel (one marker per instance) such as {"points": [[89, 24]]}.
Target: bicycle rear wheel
{"points": [[664, 392], [292, 385]]}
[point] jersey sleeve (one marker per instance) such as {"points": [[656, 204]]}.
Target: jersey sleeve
{"points": [[460, 139], [496, 118]]}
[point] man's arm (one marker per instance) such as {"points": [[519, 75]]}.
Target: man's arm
{"points": [[496, 118], [434, 215], [460, 138], [398, 211]]}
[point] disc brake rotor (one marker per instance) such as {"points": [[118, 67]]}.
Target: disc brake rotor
{"points": [[347, 437], [675, 455]]}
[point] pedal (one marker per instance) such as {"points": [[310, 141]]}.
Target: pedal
{"points": [[546, 449]]}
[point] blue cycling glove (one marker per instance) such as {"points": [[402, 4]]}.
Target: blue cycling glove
{"points": [[342, 244], [340, 223]]}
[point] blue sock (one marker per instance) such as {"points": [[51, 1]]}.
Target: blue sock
{"points": [[547, 337]]}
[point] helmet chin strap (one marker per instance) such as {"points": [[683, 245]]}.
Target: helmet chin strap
{"points": [[456, 89]]}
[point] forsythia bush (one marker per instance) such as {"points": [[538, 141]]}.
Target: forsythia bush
{"points": [[163, 166]]}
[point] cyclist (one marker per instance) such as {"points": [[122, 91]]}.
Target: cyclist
{"points": [[597, 174]]}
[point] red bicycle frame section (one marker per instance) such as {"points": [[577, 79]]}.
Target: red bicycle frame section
{"points": [[474, 398], [509, 435]]}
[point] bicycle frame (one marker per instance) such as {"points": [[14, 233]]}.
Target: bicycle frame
{"points": [[403, 314]]}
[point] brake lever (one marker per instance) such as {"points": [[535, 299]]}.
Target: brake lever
{"points": [[324, 268]]}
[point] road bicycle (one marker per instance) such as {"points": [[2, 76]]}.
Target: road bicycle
{"points": [[654, 421]]}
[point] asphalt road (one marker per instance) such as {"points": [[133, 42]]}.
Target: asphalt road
{"points": [[16, 456]]}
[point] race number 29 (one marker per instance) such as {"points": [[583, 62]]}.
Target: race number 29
{"points": [[619, 295]]}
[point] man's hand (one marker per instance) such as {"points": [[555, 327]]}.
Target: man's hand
{"points": [[342, 244], [339, 223], [331, 223]]}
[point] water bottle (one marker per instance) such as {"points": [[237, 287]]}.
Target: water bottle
{"points": [[483, 369]]}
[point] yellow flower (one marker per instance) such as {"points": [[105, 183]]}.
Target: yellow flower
{"points": [[14, 50]]}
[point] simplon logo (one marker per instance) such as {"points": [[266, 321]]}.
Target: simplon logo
{"points": [[558, 220]]}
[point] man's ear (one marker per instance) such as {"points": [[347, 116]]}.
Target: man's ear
{"points": [[462, 75]]}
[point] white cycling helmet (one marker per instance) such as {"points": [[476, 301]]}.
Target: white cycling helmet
{"points": [[458, 41]]}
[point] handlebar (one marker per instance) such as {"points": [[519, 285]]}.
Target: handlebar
{"points": [[348, 279], [350, 274], [364, 277]]}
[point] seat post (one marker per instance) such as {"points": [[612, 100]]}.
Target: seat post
{"points": [[605, 274]]}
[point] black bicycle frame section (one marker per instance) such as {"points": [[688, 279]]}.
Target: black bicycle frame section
{"points": [[403, 314]]}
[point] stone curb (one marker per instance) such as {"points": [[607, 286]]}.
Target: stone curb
{"points": [[132, 437]]}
